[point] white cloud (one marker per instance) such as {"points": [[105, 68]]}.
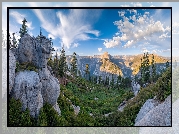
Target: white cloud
{"points": [[154, 51], [145, 50], [137, 29], [72, 27], [128, 44], [51, 36], [99, 49], [75, 44], [111, 43], [163, 36], [19, 18], [147, 13]]}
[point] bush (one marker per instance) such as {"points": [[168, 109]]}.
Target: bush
{"points": [[17, 117]]}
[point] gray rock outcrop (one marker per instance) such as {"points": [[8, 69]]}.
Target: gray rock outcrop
{"points": [[34, 50], [157, 116], [50, 87], [27, 88], [165, 130], [34, 89], [12, 67], [148, 105]]}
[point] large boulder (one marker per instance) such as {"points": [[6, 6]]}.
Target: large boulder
{"points": [[12, 67], [27, 88], [50, 87], [157, 116]]}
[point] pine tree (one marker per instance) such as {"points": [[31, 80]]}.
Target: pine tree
{"points": [[87, 71], [118, 81], [62, 63], [99, 80], [167, 64], [74, 64], [14, 42], [23, 30], [106, 81], [153, 69], [145, 69], [56, 64], [112, 81]]}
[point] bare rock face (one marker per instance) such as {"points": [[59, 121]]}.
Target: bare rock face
{"points": [[50, 87], [157, 116], [34, 89], [12, 67], [148, 105], [165, 130], [34, 50], [27, 88], [106, 56]]}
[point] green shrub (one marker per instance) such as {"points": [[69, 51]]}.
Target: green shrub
{"points": [[17, 117]]}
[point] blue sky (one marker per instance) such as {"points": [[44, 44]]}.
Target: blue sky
{"points": [[91, 32]]}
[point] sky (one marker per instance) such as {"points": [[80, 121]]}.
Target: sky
{"points": [[95, 31]]}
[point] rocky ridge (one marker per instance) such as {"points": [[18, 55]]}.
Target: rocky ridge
{"points": [[33, 88]]}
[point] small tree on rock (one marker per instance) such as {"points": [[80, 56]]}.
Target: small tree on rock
{"points": [[23, 30]]}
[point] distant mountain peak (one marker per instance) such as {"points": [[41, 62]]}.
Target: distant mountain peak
{"points": [[105, 55]]}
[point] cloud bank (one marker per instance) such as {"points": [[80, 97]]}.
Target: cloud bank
{"points": [[136, 28]]}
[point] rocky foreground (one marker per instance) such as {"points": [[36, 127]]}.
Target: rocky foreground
{"points": [[154, 114]]}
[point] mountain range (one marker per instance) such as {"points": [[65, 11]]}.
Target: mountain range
{"points": [[124, 65]]}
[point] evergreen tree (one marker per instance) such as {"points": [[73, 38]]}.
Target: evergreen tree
{"points": [[23, 30], [167, 64], [87, 71], [118, 81], [99, 80], [74, 64], [14, 42], [147, 69], [56, 64], [153, 69], [106, 81], [144, 68], [62, 63], [112, 82]]}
